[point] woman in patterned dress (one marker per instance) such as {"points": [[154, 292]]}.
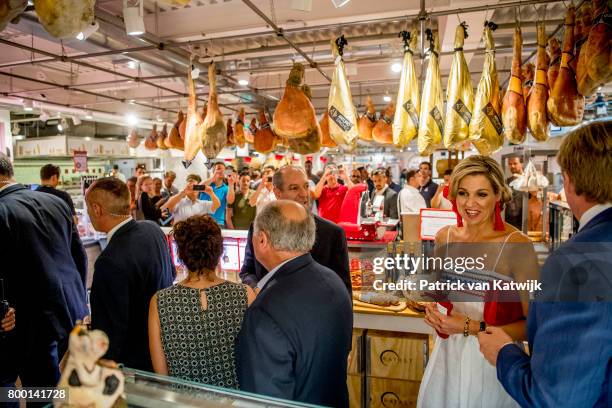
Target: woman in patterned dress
{"points": [[193, 325]]}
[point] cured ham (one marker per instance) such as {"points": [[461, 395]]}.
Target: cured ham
{"points": [[537, 119], [367, 121], [10, 9], [406, 119], [239, 129], [133, 139], [383, 130], [194, 132], [161, 138], [486, 129], [431, 121], [151, 140], [565, 105], [597, 68], [342, 114], [265, 139], [584, 21], [295, 116], [326, 140], [312, 142], [174, 140], [459, 96], [215, 132], [65, 18], [528, 74], [249, 132], [554, 55], [230, 133], [514, 110]]}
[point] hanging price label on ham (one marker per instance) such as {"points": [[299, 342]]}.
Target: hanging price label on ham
{"points": [[80, 160]]}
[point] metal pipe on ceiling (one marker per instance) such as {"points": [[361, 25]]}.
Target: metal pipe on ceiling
{"points": [[279, 32]]}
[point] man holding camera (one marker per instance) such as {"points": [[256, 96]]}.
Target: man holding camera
{"points": [[330, 192], [186, 203]]}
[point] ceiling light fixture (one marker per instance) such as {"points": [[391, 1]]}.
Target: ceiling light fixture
{"points": [[133, 17], [243, 82], [88, 115], [27, 106], [396, 67], [88, 31], [60, 128], [387, 98], [131, 119], [43, 116], [131, 65], [340, 3]]}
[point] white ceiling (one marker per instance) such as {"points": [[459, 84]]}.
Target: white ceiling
{"points": [[242, 44]]}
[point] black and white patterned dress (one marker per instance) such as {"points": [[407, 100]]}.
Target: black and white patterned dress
{"points": [[199, 344]]}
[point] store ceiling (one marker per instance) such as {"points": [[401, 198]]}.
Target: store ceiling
{"points": [[115, 73]]}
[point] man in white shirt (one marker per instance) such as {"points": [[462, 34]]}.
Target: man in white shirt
{"points": [[411, 201], [117, 174], [265, 191], [186, 203]]}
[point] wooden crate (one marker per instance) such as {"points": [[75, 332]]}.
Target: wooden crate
{"points": [[355, 359], [399, 356], [356, 390], [386, 393]]}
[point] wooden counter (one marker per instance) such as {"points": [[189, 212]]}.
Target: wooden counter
{"points": [[405, 321]]}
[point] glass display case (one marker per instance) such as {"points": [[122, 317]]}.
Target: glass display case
{"points": [[150, 390]]}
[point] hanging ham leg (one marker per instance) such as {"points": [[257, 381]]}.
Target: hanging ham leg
{"points": [[295, 116], [151, 140], [367, 121], [214, 134], [565, 105], [175, 141], [537, 119], [514, 111], [383, 130], [528, 73], [193, 139], [161, 138], [239, 129], [554, 55], [249, 133], [265, 140], [326, 139], [230, 133], [598, 51]]}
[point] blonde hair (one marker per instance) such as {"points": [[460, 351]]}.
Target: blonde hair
{"points": [[139, 183], [586, 156], [481, 165]]}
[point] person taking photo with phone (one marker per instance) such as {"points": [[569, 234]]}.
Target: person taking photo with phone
{"points": [[330, 192], [265, 191], [187, 204]]}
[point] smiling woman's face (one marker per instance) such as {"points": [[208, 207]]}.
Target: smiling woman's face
{"points": [[476, 200]]}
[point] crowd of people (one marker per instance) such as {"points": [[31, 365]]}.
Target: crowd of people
{"points": [[285, 331]]}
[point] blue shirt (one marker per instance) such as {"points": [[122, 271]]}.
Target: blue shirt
{"points": [[221, 193]]}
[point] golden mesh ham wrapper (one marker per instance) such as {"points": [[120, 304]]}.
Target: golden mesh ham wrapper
{"points": [[431, 121], [64, 18], [486, 129], [459, 96], [342, 114], [406, 119]]}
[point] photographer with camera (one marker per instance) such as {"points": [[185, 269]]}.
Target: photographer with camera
{"points": [[186, 203], [265, 191], [330, 192]]}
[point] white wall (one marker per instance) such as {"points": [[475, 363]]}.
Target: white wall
{"points": [[7, 139]]}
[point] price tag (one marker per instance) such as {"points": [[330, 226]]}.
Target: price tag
{"points": [[433, 220]]}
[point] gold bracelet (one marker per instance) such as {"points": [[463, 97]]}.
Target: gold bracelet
{"points": [[466, 327]]}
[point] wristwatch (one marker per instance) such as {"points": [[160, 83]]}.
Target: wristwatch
{"points": [[483, 326]]}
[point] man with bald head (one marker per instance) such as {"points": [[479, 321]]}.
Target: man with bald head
{"points": [[296, 336], [135, 264], [330, 249]]}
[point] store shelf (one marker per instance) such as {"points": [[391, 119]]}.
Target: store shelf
{"points": [[405, 321]]}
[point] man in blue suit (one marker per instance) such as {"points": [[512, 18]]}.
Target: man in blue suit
{"points": [[296, 336], [44, 267], [135, 264], [570, 322]]}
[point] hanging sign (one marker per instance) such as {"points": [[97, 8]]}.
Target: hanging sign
{"points": [[80, 160], [433, 220]]}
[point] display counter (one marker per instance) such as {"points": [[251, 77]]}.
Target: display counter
{"points": [[148, 390]]}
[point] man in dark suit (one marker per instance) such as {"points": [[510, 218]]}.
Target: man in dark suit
{"points": [[569, 323], [330, 248], [381, 188], [135, 264], [44, 269], [296, 336]]}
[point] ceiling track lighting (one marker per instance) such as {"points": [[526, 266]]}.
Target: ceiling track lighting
{"points": [[28, 106], [133, 17], [340, 3]]}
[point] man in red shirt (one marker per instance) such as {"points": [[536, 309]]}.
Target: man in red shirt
{"points": [[330, 193]]}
